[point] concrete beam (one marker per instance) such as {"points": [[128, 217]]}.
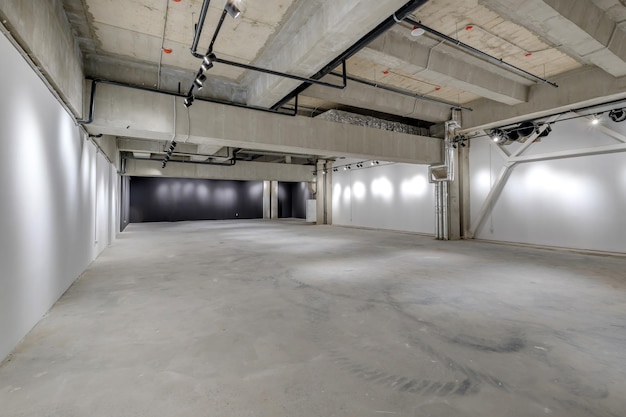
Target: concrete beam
{"points": [[579, 27], [444, 65], [42, 30], [366, 97], [133, 113], [579, 88], [317, 32], [242, 171], [151, 146]]}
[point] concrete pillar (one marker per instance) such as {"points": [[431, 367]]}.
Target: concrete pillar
{"points": [[274, 200], [454, 186], [324, 182], [267, 202]]}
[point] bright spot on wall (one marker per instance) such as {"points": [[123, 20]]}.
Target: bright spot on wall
{"points": [[336, 194], [414, 187], [347, 195], [202, 193], [358, 189], [483, 180], [225, 196], [382, 187], [562, 186]]}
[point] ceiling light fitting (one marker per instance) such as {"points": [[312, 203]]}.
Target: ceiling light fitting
{"points": [[199, 81], [207, 62], [188, 101], [617, 115], [232, 9]]}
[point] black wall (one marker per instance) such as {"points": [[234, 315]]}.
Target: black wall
{"points": [[125, 203], [292, 197], [174, 199]]}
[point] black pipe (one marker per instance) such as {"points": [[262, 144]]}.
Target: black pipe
{"points": [[95, 81], [92, 106], [230, 163], [199, 26], [404, 92], [282, 74], [217, 31], [479, 53], [399, 15]]}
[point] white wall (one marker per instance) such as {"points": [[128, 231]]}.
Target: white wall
{"points": [[388, 196], [574, 203], [57, 199]]}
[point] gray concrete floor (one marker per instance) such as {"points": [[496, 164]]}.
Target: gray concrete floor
{"points": [[254, 318]]}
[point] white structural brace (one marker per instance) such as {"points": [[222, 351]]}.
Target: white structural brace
{"points": [[517, 158]]}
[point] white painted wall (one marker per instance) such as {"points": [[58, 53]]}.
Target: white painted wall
{"points": [[387, 196], [574, 203], [57, 199]]}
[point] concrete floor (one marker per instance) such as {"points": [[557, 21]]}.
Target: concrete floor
{"points": [[254, 318]]}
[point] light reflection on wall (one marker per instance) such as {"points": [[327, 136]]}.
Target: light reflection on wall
{"points": [[544, 182], [359, 190], [382, 187], [203, 193], [414, 187]]}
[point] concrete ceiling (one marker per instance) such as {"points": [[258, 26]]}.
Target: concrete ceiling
{"points": [[127, 41]]}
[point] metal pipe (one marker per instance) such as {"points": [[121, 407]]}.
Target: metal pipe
{"points": [[217, 31], [403, 92], [94, 82], [444, 211], [479, 53], [231, 162], [436, 210], [199, 26], [389, 22], [280, 74]]}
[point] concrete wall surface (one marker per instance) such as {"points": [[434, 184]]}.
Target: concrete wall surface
{"points": [[386, 196], [58, 199], [574, 202]]}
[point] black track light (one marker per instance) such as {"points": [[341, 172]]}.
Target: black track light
{"points": [[207, 62], [617, 115], [498, 136], [232, 9], [188, 101], [199, 81], [335, 169]]}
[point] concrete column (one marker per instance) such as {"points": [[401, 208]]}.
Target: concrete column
{"points": [[454, 186], [267, 213], [324, 182], [274, 200]]}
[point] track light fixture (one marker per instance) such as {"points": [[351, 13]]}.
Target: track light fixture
{"points": [[498, 136], [232, 9], [617, 115], [207, 62], [335, 169], [199, 81], [188, 101], [596, 119]]}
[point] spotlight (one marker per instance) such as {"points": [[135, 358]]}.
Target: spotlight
{"points": [[498, 136], [207, 62], [618, 115], [188, 101], [463, 145], [335, 169], [595, 120], [376, 162], [345, 168], [325, 172], [232, 9], [199, 81]]}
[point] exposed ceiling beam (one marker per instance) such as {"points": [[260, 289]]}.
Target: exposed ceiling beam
{"points": [[575, 91], [317, 32], [578, 27], [129, 112], [444, 65], [366, 97]]}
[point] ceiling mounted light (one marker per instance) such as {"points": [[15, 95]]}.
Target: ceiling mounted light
{"points": [[498, 136], [199, 81], [417, 31], [207, 62], [188, 101], [595, 120], [232, 9], [617, 115]]}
